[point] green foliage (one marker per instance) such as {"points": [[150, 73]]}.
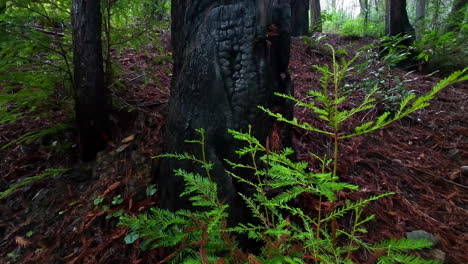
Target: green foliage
{"points": [[189, 230], [446, 50], [327, 103], [32, 136], [394, 50], [340, 23], [203, 236], [35, 55], [48, 173]]}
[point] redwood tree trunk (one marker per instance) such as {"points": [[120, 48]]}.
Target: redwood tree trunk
{"points": [[229, 57], [397, 18], [299, 17], [315, 15], [91, 97]]}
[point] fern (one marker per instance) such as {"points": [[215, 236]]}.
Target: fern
{"points": [[405, 259], [48, 173], [32, 136]]}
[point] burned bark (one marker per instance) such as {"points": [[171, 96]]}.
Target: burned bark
{"points": [[229, 57], [91, 97], [396, 21], [299, 17]]}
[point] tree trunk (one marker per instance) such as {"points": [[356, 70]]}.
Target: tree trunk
{"points": [[333, 5], [396, 21], [364, 4], [229, 57], [91, 97], [456, 16], [299, 17], [315, 19], [435, 15], [420, 16]]}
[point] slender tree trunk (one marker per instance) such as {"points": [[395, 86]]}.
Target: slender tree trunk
{"points": [[364, 4], [229, 57], [300, 17], [396, 21], [91, 97], [333, 5], [315, 18], [420, 16], [435, 15], [456, 16]]}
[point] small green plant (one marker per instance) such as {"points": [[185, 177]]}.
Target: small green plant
{"points": [[48, 173], [327, 104], [203, 236], [446, 50]]}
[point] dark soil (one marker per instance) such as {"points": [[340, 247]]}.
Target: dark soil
{"points": [[56, 220]]}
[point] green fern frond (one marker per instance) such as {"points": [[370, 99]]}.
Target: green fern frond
{"points": [[339, 212], [32, 136], [403, 244], [405, 259], [48, 173]]}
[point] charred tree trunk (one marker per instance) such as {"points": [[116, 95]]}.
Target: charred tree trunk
{"points": [[229, 57], [396, 21], [456, 16], [91, 97], [315, 19], [299, 17]]}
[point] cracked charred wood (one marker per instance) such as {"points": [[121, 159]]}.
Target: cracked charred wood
{"points": [[91, 98], [229, 57]]}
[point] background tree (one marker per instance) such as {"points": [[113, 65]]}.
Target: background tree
{"points": [[228, 59], [91, 97], [420, 16], [396, 19], [456, 16], [299, 17], [315, 18], [364, 4]]}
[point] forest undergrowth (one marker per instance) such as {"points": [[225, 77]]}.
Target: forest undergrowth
{"points": [[73, 218]]}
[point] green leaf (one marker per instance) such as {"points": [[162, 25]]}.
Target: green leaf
{"points": [[131, 237]]}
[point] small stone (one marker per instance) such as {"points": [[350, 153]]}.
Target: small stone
{"points": [[421, 234], [464, 168], [453, 153], [437, 254]]}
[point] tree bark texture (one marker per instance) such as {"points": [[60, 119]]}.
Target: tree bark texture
{"points": [[364, 4], [456, 16], [315, 19], [91, 97], [229, 57], [397, 18], [299, 17], [420, 16]]}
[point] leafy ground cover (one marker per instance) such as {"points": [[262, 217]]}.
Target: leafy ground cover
{"points": [[72, 218]]}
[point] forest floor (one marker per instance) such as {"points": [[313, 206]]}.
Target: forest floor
{"points": [[73, 218]]}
